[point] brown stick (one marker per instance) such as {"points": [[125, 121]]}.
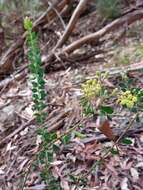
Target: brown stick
{"points": [[126, 69], [125, 20], [53, 123], [70, 27], [18, 130], [74, 18], [50, 13]]}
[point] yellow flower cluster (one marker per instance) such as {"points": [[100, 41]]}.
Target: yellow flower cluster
{"points": [[91, 88], [127, 99]]}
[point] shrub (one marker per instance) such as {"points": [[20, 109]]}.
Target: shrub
{"points": [[36, 71]]}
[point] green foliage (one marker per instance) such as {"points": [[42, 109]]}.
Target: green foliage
{"points": [[28, 24], [125, 96], [139, 94], [45, 158], [49, 148], [46, 136], [108, 9], [52, 183], [79, 135], [93, 89], [106, 109], [65, 139], [101, 105], [87, 107], [126, 141], [114, 151], [11, 18], [36, 71]]}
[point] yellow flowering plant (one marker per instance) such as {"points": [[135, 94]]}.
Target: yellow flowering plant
{"points": [[127, 99], [94, 87], [91, 88], [124, 96], [94, 90]]}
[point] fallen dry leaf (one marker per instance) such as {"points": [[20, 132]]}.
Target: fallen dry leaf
{"points": [[106, 130]]}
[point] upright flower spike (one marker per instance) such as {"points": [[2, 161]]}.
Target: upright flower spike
{"points": [[28, 25], [36, 71]]}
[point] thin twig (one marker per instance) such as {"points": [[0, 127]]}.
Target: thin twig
{"points": [[72, 22], [58, 14], [70, 27]]}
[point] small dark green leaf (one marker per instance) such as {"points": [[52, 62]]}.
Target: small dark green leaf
{"points": [[134, 109], [56, 148], [66, 139], [32, 68], [130, 81], [49, 156], [106, 109], [46, 137], [53, 136], [35, 102], [38, 118], [73, 178], [40, 131], [140, 93], [43, 175], [34, 84], [114, 151], [40, 72], [138, 119], [41, 157], [41, 81], [34, 90], [41, 106], [126, 141], [35, 96], [43, 94], [79, 135]]}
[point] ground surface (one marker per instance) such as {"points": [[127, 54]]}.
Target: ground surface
{"points": [[124, 171]]}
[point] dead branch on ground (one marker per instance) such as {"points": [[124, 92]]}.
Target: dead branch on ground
{"points": [[70, 27], [74, 18], [55, 123], [120, 22]]}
